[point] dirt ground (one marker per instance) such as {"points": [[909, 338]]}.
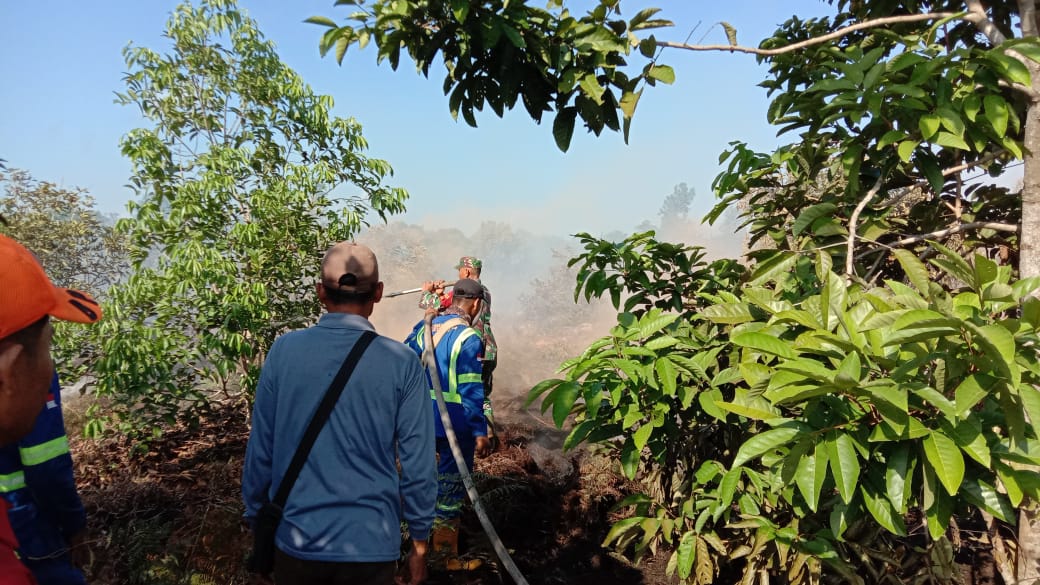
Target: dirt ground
{"points": [[171, 514]]}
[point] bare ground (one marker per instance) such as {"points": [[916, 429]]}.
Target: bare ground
{"points": [[171, 513]]}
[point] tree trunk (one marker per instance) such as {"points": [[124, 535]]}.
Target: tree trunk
{"points": [[1028, 565], [1029, 265], [1029, 235]]}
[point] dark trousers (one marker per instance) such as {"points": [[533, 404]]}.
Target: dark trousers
{"points": [[289, 570]]}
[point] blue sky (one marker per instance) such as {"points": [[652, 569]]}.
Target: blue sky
{"points": [[61, 64]]}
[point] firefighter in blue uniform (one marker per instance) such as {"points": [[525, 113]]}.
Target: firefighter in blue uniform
{"points": [[457, 349], [46, 512]]}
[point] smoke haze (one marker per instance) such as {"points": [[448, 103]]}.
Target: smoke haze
{"points": [[536, 321]]}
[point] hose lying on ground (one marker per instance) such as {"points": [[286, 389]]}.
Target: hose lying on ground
{"points": [[442, 407]]}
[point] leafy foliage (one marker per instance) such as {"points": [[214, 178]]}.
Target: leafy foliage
{"points": [[792, 408], [77, 246], [242, 183], [498, 52], [896, 123]]}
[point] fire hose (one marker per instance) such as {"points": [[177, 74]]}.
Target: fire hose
{"points": [[430, 360], [410, 291]]}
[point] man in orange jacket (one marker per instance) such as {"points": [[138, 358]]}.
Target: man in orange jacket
{"points": [[27, 301]]}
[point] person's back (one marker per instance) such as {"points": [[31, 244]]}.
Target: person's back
{"points": [[342, 520], [348, 488], [456, 350]]}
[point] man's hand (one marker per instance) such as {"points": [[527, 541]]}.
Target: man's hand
{"points": [[483, 448], [434, 286], [414, 570]]}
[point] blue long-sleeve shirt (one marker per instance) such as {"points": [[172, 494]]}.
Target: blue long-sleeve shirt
{"points": [[459, 368], [348, 501], [37, 481]]}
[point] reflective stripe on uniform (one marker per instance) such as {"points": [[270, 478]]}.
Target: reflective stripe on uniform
{"points": [[456, 349], [468, 378], [11, 482], [449, 398], [44, 452]]}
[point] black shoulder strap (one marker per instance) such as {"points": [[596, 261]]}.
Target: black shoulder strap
{"points": [[320, 416]]}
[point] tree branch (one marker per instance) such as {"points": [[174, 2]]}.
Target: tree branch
{"points": [[1027, 15], [981, 161], [817, 40], [982, 225], [977, 16], [1033, 95], [853, 220]]}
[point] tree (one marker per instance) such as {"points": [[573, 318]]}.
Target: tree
{"points": [[242, 183], [675, 210], [76, 245], [897, 104], [499, 51]]}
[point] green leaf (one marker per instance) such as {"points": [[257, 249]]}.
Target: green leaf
{"points": [[620, 528], [996, 111], [667, 374], [906, 149], [629, 101], [460, 8], [1014, 70], [951, 120], [687, 554], [708, 401], [810, 214], [951, 141], [970, 439], [591, 87], [883, 511], [747, 411], [989, 499], [662, 73], [323, 21], [970, 391], [727, 487], [653, 324], [927, 164], [943, 456], [728, 313], [761, 443], [773, 267], [972, 104], [541, 388], [1031, 402], [563, 399], [810, 474], [764, 343], [630, 459], [915, 270], [929, 125], [642, 435], [897, 476], [844, 463], [999, 345], [890, 137], [904, 60], [563, 127]]}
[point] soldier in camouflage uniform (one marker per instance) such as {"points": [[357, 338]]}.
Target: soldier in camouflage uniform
{"points": [[434, 296]]}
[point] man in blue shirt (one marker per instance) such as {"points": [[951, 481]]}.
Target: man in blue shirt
{"points": [[457, 349], [342, 521], [46, 512]]}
